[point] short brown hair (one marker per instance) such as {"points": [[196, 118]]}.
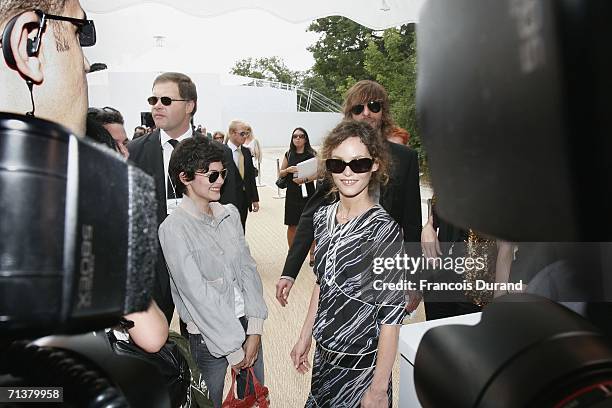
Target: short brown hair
{"points": [[369, 137], [186, 87], [364, 91], [12, 8]]}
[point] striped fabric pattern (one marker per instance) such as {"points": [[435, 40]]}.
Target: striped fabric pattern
{"points": [[347, 325]]}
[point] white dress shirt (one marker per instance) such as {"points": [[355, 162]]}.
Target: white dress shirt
{"points": [[168, 149], [235, 153]]}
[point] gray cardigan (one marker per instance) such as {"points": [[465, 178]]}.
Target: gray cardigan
{"points": [[207, 257]]}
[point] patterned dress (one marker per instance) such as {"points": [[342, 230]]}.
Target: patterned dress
{"points": [[352, 307]]}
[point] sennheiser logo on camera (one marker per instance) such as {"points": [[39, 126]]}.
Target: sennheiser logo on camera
{"points": [[86, 267]]}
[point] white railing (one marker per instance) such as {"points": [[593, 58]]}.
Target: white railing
{"points": [[308, 100]]}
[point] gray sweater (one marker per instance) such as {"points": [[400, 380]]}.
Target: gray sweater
{"points": [[207, 257]]}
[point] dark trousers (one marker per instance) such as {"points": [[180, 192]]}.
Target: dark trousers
{"points": [[213, 369]]}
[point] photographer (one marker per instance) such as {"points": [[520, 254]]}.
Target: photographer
{"points": [[43, 66], [43, 72]]}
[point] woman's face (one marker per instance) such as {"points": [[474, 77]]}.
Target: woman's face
{"points": [[298, 138], [202, 187], [349, 182]]}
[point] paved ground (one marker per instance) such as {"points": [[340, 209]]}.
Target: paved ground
{"points": [[266, 236]]}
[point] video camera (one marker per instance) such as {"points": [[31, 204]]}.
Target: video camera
{"points": [[513, 111], [79, 242]]}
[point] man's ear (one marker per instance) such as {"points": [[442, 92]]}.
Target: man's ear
{"points": [[190, 106], [19, 48]]}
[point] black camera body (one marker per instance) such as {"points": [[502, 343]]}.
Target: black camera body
{"points": [[512, 97], [77, 253]]}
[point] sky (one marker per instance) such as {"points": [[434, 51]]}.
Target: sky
{"points": [[209, 45]]}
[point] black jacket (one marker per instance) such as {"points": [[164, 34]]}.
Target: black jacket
{"points": [[147, 154], [234, 184], [401, 198]]}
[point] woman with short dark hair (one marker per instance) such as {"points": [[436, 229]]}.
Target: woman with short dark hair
{"points": [[214, 280]]}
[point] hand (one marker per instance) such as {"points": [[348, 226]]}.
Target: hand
{"points": [[429, 242], [414, 298], [375, 399], [236, 368], [283, 287], [255, 206], [299, 355], [299, 181], [291, 169], [251, 349]]}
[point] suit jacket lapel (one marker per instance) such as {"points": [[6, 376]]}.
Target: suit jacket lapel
{"points": [[155, 161]]}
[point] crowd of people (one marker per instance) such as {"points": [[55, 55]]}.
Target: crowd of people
{"points": [[366, 202]]}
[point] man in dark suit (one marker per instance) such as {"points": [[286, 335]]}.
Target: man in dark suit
{"points": [[173, 104], [240, 187], [366, 101]]}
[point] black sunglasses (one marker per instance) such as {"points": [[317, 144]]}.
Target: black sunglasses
{"points": [[165, 100], [357, 165], [213, 175], [299, 136], [85, 29], [373, 106]]}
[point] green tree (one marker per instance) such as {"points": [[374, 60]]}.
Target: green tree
{"points": [[348, 52], [339, 55], [393, 64], [269, 68]]}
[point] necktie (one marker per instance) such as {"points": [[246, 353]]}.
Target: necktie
{"points": [[173, 142], [240, 162]]}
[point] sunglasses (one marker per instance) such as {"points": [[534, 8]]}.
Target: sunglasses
{"points": [[357, 165], [373, 106], [213, 175], [243, 134], [85, 29], [218, 138], [165, 100], [299, 136]]}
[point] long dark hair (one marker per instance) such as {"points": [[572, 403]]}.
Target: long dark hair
{"points": [[307, 147]]}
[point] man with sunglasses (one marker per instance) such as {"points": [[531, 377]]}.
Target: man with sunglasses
{"points": [[42, 69], [173, 103], [366, 101], [240, 188]]}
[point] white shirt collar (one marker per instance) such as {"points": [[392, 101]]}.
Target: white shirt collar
{"points": [[164, 137], [232, 146]]}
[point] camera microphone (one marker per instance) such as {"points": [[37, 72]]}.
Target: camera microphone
{"points": [[78, 232]]}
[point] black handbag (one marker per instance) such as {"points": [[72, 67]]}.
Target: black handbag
{"points": [[168, 360], [283, 182]]}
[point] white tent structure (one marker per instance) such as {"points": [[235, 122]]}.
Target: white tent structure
{"points": [[133, 64], [376, 14]]}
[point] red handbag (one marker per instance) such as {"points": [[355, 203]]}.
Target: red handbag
{"points": [[258, 395]]}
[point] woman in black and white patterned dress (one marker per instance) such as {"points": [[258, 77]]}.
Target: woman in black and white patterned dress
{"points": [[354, 321]]}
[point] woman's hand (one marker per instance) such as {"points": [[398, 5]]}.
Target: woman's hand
{"points": [[251, 349], [291, 169], [299, 181], [375, 399], [299, 355]]}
